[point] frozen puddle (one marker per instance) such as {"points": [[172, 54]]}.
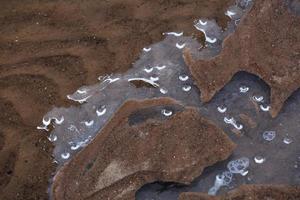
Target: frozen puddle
{"points": [[241, 108]]}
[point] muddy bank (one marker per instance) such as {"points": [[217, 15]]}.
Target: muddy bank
{"points": [[50, 48], [261, 45], [130, 153]]}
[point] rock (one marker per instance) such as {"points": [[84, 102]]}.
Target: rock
{"points": [[253, 192], [125, 156], [266, 43]]}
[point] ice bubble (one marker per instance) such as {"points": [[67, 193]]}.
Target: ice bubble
{"points": [[238, 166], [221, 180], [269, 135]]}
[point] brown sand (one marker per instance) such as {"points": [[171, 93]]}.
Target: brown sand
{"points": [[123, 158], [250, 192], [50, 48], [266, 43]]}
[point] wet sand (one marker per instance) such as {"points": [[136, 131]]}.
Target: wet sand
{"points": [[48, 49]]}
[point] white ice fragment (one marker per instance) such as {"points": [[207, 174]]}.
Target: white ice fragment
{"points": [[79, 100], [230, 13], [264, 108], [145, 80], [111, 80], [65, 155], [259, 159], [154, 78], [75, 147], [89, 123], [46, 122], [228, 121], [186, 88], [147, 49], [166, 113], [244, 89], [83, 91], [202, 22], [163, 90], [287, 140], [180, 46], [59, 121], [160, 67], [148, 70], [52, 138], [101, 111], [222, 109], [183, 77], [174, 34], [258, 99], [207, 39]]}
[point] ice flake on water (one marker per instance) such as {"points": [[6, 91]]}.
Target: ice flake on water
{"points": [[163, 90], [52, 138], [269, 135], [244, 89], [174, 34], [223, 179], [238, 166], [101, 111], [147, 49], [60, 120], [160, 67], [258, 99], [259, 159], [166, 112], [186, 88], [183, 77], [287, 140], [180, 46], [65, 155], [148, 69], [222, 109], [264, 108]]}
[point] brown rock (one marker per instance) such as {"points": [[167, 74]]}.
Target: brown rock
{"points": [[266, 43], [250, 192], [123, 157]]}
